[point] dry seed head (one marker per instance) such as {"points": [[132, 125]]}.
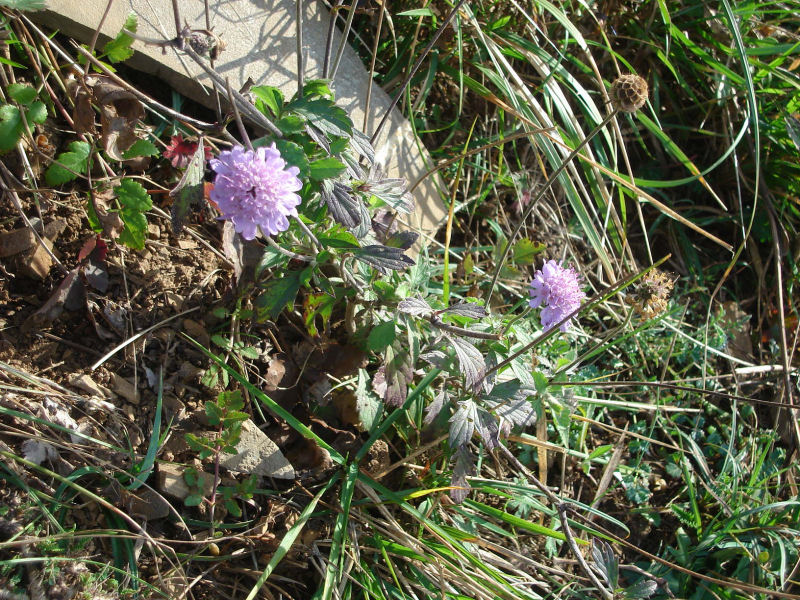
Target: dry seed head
{"points": [[652, 294], [629, 93]]}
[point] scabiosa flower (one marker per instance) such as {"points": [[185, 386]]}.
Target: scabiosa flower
{"points": [[180, 151], [254, 188], [558, 291]]}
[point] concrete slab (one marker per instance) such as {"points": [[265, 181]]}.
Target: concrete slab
{"points": [[261, 45]]}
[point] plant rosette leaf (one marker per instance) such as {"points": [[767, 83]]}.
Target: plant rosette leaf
{"points": [[134, 202]]}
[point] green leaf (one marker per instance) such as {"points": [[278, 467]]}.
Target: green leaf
{"points": [[269, 97], [417, 12], [139, 148], [23, 4], [381, 336], [71, 164], [368, 404], [19, 92], [318, 87], [37, 113], [290, 124], [525, 251], [10, 127], [294, 156], [324, 115], [119, 48], [193, 500], [326, 168], [338, 239], [233, 508], [134, 201], [280, 292]]}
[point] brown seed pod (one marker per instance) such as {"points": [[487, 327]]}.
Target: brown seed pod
{"points": [[629, 93]]}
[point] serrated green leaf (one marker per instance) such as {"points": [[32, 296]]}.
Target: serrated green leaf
{"points": [[119, 49], [525, 251], [326, 168], [381, 336], [134, 201], [140, 147], [23, 4], [69, 164], [290, 124], [294, 156], [280, 292], [132, 196], [19, 92], [269, 97]]}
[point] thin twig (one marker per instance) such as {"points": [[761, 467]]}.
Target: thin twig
{"points": [[326, 63], [372, 64], [300, 65], [237, 116], [343, 43], [573, 546], [96, 34], [178, 29]]}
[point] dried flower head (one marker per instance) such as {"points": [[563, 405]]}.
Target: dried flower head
{"points": [[255, 189], [629, 93], [180, 151], [651, 294], [558, 291]]}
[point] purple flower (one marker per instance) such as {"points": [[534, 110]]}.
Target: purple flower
{"points": [[558, 290], [255, 189]]}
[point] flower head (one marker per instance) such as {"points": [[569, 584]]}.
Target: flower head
{"points": [[180, 151], [558, 291], [254, 188]]}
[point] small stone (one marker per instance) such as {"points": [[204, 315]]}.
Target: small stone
{"points": [[187, 244], [87, 384], [147, 504], [171, 482], [125, 388], [153, 231], [257, 454], [174, 409]]}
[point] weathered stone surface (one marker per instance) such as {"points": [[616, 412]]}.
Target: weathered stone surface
{"points": [[257, 454], [260, 38]]}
